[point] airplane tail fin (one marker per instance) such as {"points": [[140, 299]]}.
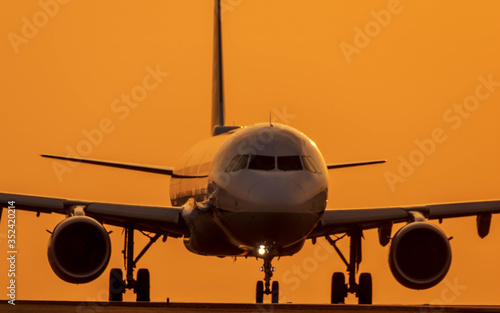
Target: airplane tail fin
{"points": [[218, 106], [218, 81]]}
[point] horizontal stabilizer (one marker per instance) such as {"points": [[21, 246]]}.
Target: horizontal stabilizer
{"points": [[163, 170], [341, 165]]}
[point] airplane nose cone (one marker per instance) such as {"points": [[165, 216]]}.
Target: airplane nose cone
{"points": [[276, 191]]}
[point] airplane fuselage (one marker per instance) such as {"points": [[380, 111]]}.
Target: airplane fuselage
{"points": [[265, 188]]}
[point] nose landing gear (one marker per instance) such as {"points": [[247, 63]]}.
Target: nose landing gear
{"points": [[263, 287]]}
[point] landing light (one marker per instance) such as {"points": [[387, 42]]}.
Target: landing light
{"points": [[262, 250]]}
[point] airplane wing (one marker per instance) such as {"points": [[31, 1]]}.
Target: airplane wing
{"points": [[341, 221], [163, 220]]}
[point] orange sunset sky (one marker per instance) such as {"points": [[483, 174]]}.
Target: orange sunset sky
{"points": [[365, 80]]}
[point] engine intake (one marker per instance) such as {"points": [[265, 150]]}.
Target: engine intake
{"points": [[420, 255], [79, 249]]}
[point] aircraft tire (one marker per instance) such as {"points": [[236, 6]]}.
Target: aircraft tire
{"points": [[259, 294], [364, 292], [142, 286], [116, 285], [339, 289], [275, 292]]}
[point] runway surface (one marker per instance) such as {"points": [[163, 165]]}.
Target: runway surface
{"points": [[133, 307]]}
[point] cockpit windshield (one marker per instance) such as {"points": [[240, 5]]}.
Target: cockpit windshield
{"points": [[289, 163], [262, 162], [270, 163], [242, 163], [310, 165], [237, 163]]}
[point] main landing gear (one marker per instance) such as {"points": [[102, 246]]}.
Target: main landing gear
{"points": [[117, 285], [265, 289], [362, 289]]}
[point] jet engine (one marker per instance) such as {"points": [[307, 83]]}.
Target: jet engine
{"points": [[420, 255], [79, 249]]}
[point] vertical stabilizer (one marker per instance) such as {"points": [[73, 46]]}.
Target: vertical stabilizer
{"points": [[218, 81]]}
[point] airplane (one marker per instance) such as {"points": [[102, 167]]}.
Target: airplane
{"points": [[256, 191]]}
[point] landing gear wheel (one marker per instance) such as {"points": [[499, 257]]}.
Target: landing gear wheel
{"points": [[275, 293], [259, 294], [339, 288], [364, 292], [363, 289], [142, 285], [116, 285]]}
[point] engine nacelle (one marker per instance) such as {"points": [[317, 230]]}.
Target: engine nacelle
{"points": [[79, 249], [420, 255]]}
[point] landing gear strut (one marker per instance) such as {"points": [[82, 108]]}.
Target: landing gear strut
{"points": [[340, 289], [117, 285], [263, 287]]}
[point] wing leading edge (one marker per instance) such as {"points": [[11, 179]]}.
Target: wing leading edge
{"points": [[166, 220], [340, 221]]}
